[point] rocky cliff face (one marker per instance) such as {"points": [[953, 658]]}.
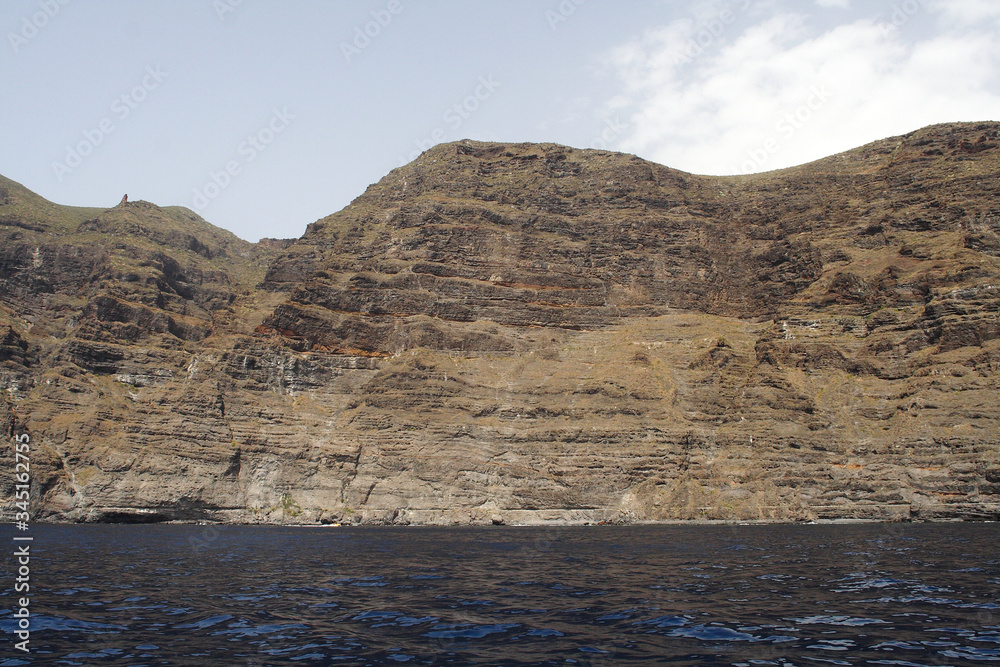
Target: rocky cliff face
{"points": [[525, 333]]}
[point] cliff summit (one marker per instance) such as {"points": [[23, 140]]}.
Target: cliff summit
{"points": [[524, 333]]}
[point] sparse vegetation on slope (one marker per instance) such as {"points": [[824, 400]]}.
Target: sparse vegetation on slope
{"points": [[530, 332]]}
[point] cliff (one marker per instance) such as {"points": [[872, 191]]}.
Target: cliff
{"points": [[522, 333]]}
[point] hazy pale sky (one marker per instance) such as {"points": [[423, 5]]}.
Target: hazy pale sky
{"points": [[265, 115]]}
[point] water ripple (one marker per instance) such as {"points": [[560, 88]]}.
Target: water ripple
{"points": [[758, 595]]}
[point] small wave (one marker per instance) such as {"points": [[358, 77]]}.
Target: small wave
{"points": [[204, 623], [835, 620], [664, 622], [41, 622], [832, 645], [243, 597], [906, 599], [713, 633], [103, 654], [970, 653], [377, 615], [867, 584], [383, 618], [890, 646], [591, 649], [74, 591], [255, 631], [469, 632], [545, 632]]}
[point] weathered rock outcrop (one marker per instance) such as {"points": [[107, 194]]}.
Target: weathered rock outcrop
{"points": [[521, 333]]}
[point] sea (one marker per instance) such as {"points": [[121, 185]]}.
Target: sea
{"points": [[741, 595]]}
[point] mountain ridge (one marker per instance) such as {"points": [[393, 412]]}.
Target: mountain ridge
{"points": [[526, 333]]}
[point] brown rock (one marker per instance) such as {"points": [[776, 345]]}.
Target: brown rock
{"points": [[524, 333]]}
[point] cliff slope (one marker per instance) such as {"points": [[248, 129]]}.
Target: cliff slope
{"points": [[523, 333]]}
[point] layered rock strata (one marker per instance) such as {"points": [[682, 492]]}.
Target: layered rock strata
{"points": [[523, 333]]}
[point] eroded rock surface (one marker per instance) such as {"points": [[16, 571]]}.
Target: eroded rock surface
{"points": [[501, 333]]}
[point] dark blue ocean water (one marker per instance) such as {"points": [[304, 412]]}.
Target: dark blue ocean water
{"points": [[684, 595]]}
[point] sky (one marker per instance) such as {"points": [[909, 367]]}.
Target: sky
{"points": [[266, 115]]}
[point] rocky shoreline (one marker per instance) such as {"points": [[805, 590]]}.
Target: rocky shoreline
{"points": [[883, 514]]}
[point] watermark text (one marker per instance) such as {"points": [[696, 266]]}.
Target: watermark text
{"points": [[22, 543], [47, 10], [363, 35], [121, 108], [247, 152], [455, 116]]}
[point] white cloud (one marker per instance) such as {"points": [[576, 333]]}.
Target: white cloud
{"points": [[782, 93], [967, 12], [841, 4]]}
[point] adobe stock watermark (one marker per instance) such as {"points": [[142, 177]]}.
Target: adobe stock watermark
{"points": [[787, 126], [30, 25], [247, 152], [612, 130], [562, 12], [363, 35], [209, 534], [225, 7], [22, 543], [455, 116], [900, 15], [709, 31], [121, 108]]}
